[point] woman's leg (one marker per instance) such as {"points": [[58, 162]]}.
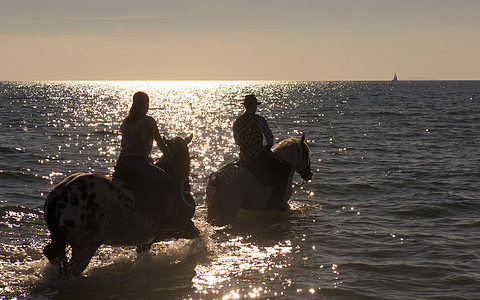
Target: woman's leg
{"points": [[166, 186]]}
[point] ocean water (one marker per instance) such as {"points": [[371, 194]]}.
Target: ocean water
{"points": [[392, 212]]}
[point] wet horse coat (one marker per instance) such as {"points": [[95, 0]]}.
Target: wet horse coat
{"points": [[87, 210]]}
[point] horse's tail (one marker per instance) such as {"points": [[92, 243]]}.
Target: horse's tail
{"points": [[213, 203], [54, 251]]}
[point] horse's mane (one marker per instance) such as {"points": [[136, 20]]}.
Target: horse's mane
{"points": [[179, 150], [286, 143], [287, 150], [291, 141]]}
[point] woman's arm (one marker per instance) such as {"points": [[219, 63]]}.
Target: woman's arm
{"points": [[161, 143]]}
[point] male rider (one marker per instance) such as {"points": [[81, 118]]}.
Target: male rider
{"points": [[249, 129]]}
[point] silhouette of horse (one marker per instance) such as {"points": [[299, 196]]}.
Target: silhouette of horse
{"points": [[234, 187], [87, 210]]}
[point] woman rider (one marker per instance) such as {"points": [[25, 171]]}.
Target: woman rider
{"points": [[138, 132]]}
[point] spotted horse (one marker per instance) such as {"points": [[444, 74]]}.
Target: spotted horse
{"points": [[87, 210]]}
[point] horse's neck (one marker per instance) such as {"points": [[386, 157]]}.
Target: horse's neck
{"points": [[287, 154], [179, 175]]}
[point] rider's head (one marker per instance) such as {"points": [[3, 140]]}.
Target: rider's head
{"points": [[139, 107], [140, 102], [251, 103]]}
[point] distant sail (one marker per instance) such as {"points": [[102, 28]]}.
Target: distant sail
{"points": [[395, 77]]}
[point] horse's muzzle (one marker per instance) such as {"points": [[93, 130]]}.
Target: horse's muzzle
{"points": [[307, 175]]}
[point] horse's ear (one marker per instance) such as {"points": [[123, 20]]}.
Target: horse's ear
{"points": [[303, 138], [188, 139]]}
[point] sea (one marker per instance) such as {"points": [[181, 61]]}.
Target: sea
{"points": [[392, 211]]}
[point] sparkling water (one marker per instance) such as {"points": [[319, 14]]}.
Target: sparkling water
{"points": [[392, 211]]}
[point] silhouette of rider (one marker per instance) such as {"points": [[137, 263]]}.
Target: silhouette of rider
{"points": [[249, 131], [138, 132]]}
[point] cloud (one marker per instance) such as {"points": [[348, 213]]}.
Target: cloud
{"points": [[117, 18]]}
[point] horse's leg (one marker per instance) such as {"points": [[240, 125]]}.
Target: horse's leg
{"points": [[187, 194], [184, 210], [288, 191], [213, 206], [231, 199], [224, 200], [144, 248], [277, 197], [54, 251], [81, 256]]}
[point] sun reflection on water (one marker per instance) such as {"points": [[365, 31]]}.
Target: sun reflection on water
{"points": [[80, 123], [241, 267], [238, 259]]}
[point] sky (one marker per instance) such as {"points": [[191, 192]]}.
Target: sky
{"points": [[239, 40]]}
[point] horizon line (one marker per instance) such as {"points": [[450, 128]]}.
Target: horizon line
{"points": [[230, 80]]}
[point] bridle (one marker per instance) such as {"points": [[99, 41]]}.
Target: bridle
{"points": [[304, 165]]}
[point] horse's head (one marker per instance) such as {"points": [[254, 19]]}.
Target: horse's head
{"points": [[180, 168], [295, 153], [304, 167]]}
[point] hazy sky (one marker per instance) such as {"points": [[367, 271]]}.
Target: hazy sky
{"points": [[239, 40]]}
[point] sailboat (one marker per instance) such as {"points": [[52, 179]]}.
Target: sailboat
{"points": [[395, 77]]}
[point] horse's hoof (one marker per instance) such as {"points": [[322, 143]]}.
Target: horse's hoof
{"points": [[281, 206], [190, 232], [55, 256], [50, 253], [65, 274], [144, 248]]}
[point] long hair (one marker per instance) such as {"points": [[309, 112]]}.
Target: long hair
{"points": [[139, 107]]}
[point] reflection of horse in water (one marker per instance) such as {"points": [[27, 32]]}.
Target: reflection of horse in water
{"points": [[86, 210], [234, 187]]}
